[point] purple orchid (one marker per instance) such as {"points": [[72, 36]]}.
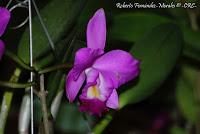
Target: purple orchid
{"points": [[102, 72], [4, 19]]}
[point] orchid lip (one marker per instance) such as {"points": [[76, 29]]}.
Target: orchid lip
{"points": [[93, 92]]}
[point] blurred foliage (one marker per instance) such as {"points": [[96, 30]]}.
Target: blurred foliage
{"points": [[177, 130], [72, 122], [187, 94], [158, 51], [192, 43], [126, 23]]}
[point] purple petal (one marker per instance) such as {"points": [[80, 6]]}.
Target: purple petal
{"points": [[4, 19], [84, 58], [2, 49], [73, 86], [92, 75], [105, 85], [96, 30], [120, 65], [113, 101]]}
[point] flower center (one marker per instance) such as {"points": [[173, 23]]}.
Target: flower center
{"points": [[93, 92]]}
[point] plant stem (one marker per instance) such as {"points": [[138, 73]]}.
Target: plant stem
{"points": [[193, 19], [16, 59], [15, 85], [6, 102], [42, 95], [100, 127], [52, 45], [197, 94], [54, 68]]}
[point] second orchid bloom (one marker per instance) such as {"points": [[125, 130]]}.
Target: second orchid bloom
{"points": [[97, 73], [4, 19]]}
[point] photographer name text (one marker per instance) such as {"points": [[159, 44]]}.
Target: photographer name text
{"points": [[156, 5]]}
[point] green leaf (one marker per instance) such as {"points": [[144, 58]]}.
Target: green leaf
{"points": [[177, 130], [186, 101], [59, 16], [49, 58], [63, 47], [132, 26], [190, 73], [70, 120], [179, 14], [158, 52], [185, 93]]}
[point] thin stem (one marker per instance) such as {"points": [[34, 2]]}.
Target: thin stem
{"points": [[16, 59], [44, 28], [193, 19], [197, 95], [54, 68], [70, 45], [42, 95], [21, 4], [100, 127], [15, 85], [21, 24], [9, 2], [6, 102], [31, 60]]}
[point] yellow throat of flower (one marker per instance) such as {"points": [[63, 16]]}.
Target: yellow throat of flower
{"points": [[93, 92]]}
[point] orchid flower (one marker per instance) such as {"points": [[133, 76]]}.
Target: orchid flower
{"points": [[101, 73], [4, 19]]}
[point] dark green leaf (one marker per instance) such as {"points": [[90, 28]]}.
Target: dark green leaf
{"points": [[186, 101], [132, 26], [59, 16], [70, 120], [158, 51], [63, 48], [179, 14], [185, 93], [177, 130], [49, 58], [192, 42]]}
